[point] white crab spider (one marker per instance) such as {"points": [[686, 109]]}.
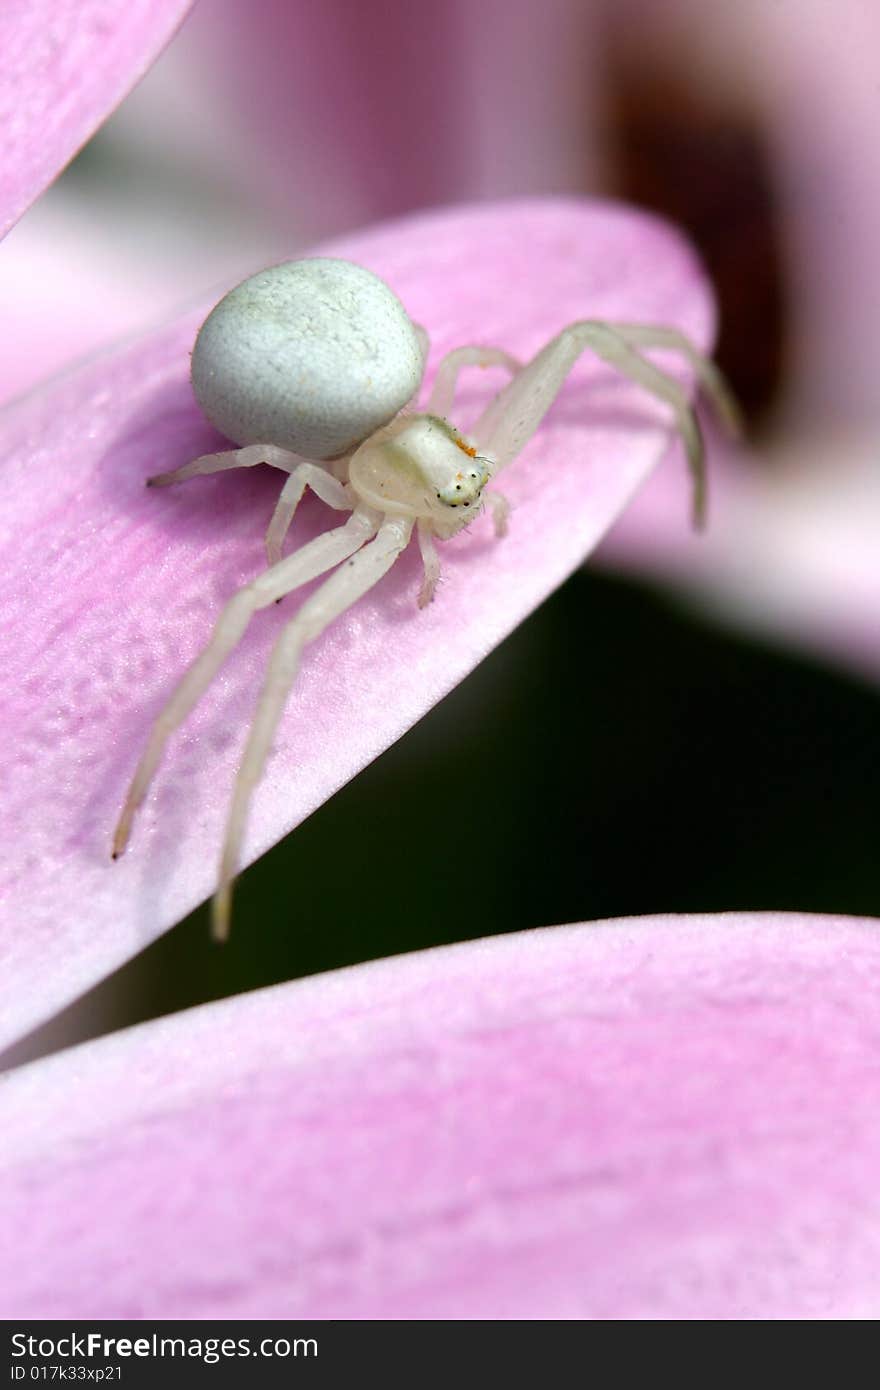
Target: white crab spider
{"points": [[318, 357]]}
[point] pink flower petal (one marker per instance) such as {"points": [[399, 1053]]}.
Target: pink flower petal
{"points": [[66, 64], [790, 552], [69, 288], [354, 149], [114, 587], [654, 1118]]}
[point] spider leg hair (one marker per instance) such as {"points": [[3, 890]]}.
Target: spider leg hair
{"points": [[335, 595], [445, 382], [248, 457], [320, 555], [510, 420], [304, 475]]}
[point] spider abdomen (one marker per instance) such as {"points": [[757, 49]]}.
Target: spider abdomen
{"points": [[312, 356]]}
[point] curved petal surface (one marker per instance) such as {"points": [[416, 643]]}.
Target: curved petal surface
{"points": [[114, 587], [66, 64], [654, 1118]]}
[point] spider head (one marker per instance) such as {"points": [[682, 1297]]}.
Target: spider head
{"points": [[421, 466]]}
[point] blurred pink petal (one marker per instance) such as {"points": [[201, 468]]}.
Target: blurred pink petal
{"points": [[66, 64], [805, 73], [791, 549], [68, 288], [76, 277], [367, 145], [667, 1117], [116, 587]]}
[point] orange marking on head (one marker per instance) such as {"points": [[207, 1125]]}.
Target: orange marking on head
{"points": [[466, 448]]}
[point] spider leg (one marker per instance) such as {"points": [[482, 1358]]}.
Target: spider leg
{"points": [[446, 380], [511, 419], [424, 342], [335, 595], [500, 509], [431, 562], [303, 565], [248, 457], [303, 475], [710, 376]]}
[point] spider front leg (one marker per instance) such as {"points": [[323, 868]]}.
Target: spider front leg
{"points": [[500, 508], [445, 382], [321, 554], [248, 457], [431, 562], [508, 423], [335, 595], [708, 373]]}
